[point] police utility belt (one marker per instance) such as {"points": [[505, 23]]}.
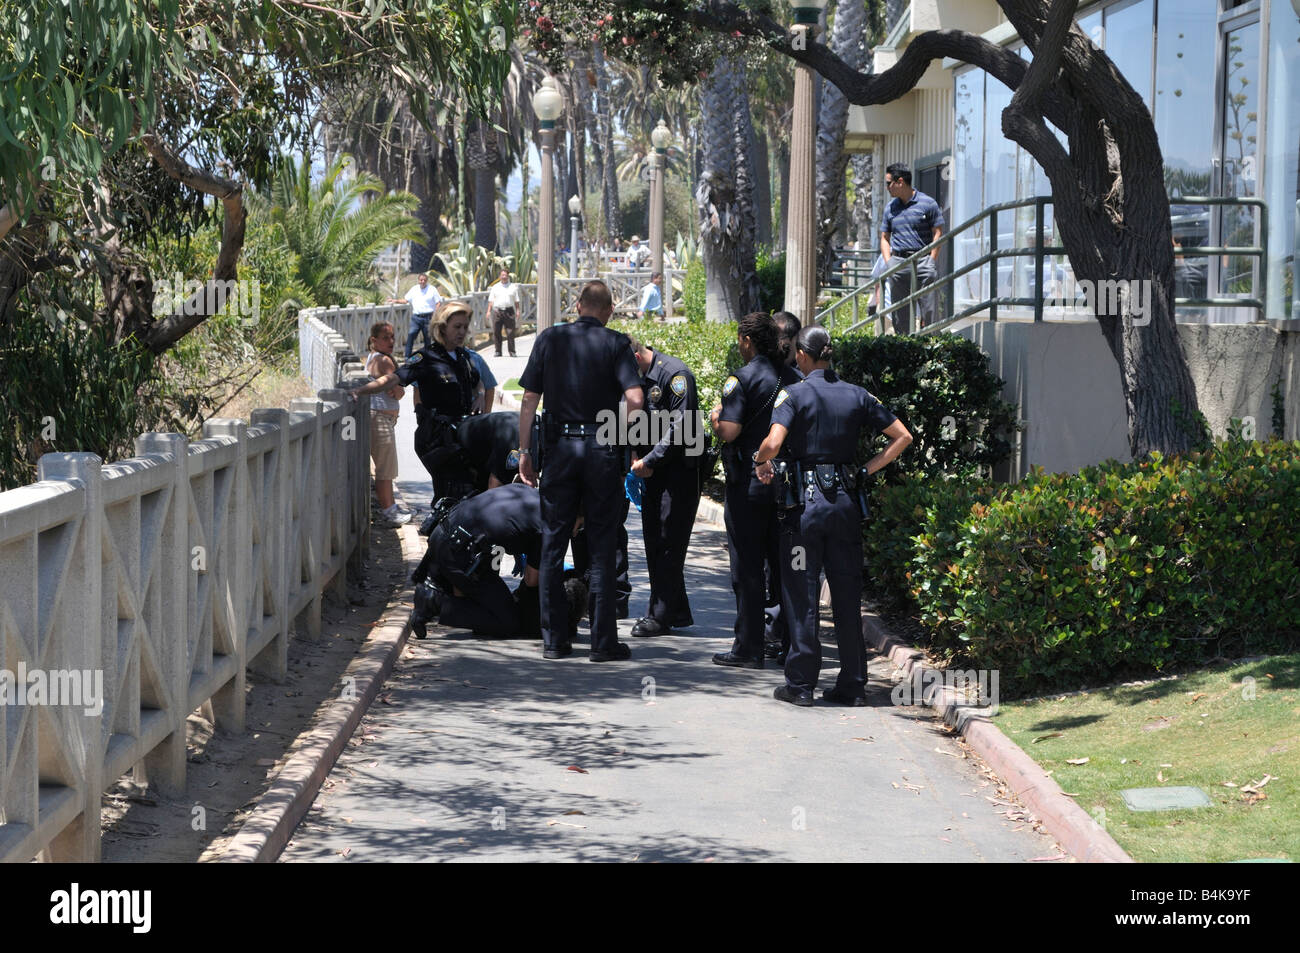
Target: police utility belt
{"points": [[796, 480]]}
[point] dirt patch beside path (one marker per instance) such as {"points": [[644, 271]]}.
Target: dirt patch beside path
{"points": [[226, 774]]}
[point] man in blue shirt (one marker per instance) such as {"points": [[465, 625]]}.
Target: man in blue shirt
{"points": [[652, 300], [912, 220]]}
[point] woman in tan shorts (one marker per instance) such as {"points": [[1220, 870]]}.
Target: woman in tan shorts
{"points": [[384, 408]]}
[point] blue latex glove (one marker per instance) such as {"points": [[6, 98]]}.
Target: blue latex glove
{"points": [[634, 487]]}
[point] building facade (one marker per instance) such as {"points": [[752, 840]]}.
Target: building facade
{"points": [[1222, 80]]}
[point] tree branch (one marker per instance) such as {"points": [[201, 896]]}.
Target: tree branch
{"points": [[166, 332]]}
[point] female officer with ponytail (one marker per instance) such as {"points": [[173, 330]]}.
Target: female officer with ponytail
{"points": [[817, 422], [741, 420]]}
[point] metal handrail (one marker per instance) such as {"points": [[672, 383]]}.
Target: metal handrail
{"points": [[1039, 252]]}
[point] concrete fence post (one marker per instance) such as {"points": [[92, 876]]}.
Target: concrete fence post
{"points": [[228, 704], [165, 766], [313, 525], [83, 610], [273, 661]]}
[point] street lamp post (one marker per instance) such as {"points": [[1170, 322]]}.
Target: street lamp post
{"points": [[660, 139], [548, 105], [801, 217], [575, 209]]}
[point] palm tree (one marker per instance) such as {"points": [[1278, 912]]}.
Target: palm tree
{"points": [[337, 225], [851, 40], [715, 195]]}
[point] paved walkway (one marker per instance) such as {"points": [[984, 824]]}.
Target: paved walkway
{"points": [[473, 753]]}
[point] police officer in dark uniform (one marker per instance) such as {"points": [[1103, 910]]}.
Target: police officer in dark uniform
{"points": [[582, 369], [777, 632], [742, 421], [460, 576], [445, 382], [818, 422], [672, 486], [486, 441]]}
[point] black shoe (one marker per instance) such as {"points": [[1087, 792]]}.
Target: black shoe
{"points": [[784, 693], [733, 660], [773, 650], [647, 627], [428, 605], [840, 697], [562, 650], [621, 653]]}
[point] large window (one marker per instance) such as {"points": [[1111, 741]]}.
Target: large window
{"points": [[1282, 162]]}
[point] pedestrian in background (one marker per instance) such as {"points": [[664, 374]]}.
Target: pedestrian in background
{"points": [[424, 300], [503, 300], [911, 221]]}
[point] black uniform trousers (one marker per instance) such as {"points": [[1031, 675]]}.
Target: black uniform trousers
{"points": [[668, 507], [580, 473], [622, 583], [828, 533], [486, 604], [751, 525]]}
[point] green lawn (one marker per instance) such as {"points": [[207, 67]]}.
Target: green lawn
{"points": [[512, 384], [1214, 729]]}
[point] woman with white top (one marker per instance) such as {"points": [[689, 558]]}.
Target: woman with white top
{"points": [[503, 302]]}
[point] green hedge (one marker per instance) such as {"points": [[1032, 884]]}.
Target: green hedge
{"points": [[1119, 569], [708, 349]]}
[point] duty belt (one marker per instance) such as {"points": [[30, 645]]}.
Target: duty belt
{"points": [[828, 476], [575, 428]]}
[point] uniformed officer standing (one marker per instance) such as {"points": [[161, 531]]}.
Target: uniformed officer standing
{"points": [[582, 369], [777, 631], [818, 421], [672, 488], [742, 421], [445, 383]]}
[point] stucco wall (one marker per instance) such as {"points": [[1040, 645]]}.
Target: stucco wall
{"points": [[1066, 383]]}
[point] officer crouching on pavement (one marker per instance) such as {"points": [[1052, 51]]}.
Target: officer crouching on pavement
{"points": [[818, 421], [582, 369], [672, 486], [459, 577]]}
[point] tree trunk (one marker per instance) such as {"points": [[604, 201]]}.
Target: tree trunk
{"points": [[783, 172], [608, 169], [849, 40], [744, 143], [762, 192], [715, 195], [863, 185]]}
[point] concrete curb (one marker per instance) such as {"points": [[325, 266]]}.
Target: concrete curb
{"points": [[710, 512], [267, 830], [1073, 827]]}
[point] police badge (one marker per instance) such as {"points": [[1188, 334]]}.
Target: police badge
{"points": [[655, 393]]}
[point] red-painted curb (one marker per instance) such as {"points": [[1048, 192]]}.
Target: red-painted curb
{"points": [[1072, 826]]}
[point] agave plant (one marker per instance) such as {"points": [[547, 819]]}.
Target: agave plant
{"points": [[687, 250], [468, 269]]}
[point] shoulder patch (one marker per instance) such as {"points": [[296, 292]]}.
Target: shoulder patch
{"points": [[679, 385], [730, 385], [781, 395], [415, 358]]}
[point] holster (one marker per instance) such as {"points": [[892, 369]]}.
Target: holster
{"points": [[788, 477]]}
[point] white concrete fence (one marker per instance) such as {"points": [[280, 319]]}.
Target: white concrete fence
{"points": [[168, 574]]}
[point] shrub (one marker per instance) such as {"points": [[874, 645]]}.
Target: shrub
{"points": [[1118, 569], [694, 293], [771, 280], [942, 390], [708, 349]]}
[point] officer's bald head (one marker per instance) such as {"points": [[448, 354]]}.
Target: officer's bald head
{"points": [[596, 301]]}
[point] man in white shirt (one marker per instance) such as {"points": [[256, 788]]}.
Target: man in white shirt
{"points": [[652, 301], [503, 305], [424, 300], [637, 253]]}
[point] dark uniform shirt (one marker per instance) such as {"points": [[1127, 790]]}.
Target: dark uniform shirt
{"points": [[910, 225], [670, 386], [824, 418], [446, 382], [580, 369], [509, 516], [747, 399], [487, 440]]}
